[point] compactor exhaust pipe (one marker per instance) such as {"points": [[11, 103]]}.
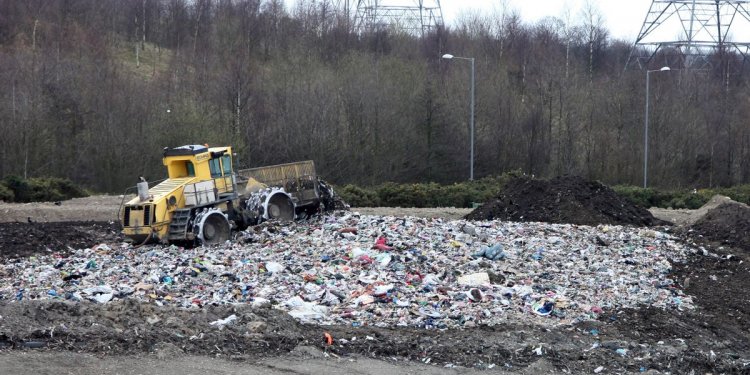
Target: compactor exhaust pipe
{"points": [[142, 189]]}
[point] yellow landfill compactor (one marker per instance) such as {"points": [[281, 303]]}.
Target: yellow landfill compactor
{"points": [[200, 202]]}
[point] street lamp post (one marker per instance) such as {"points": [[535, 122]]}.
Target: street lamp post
{"points": [[471, 121], [645, 133]]}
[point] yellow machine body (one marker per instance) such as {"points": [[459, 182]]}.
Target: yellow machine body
{"points": [[198, 177]]}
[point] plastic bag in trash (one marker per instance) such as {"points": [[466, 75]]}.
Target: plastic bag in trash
{"points": [[274, 267], [223, 322], [100, 294], [310, 314], [474, 279], [494, 252]]}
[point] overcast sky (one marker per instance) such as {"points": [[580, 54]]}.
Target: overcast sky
{"points": [[623, 18]]}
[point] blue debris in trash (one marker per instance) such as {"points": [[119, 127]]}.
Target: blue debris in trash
{"points": [[494, 252]]}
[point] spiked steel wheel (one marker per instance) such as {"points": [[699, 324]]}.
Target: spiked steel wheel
{"points": [[215, 230], [280, 207]]}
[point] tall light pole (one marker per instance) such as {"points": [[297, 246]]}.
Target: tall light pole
{"points": [[471, 121], [645, 133]]}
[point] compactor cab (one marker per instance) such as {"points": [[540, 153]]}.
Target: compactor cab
{"points": [[190, 204]]}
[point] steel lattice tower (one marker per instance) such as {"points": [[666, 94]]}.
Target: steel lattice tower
{"points": [[704, 27], [415, 17]]}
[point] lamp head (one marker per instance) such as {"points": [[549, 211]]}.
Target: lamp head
{"points": [[447, 56]]}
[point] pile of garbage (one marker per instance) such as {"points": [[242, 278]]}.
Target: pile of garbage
{"points": [[380, 271], [566, 199]]}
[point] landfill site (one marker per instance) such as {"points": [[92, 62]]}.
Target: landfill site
{"points": [[559, 276]]}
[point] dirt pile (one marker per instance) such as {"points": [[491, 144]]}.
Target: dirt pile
{"points": [[712, 338], [25, 239], [651, 339], [567, 199], [130, 326], [727, 224]]}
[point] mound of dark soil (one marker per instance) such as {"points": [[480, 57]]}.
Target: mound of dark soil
{"points": [[567, 199], [26, 239], [727, 224], [129, 326]]}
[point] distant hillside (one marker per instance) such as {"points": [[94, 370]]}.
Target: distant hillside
{"points": [[92, 90]]}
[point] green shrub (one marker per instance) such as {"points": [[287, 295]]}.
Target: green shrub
{"points": [[464, 194], [391, 194], [663, 198], [433, 195], [404, 195], [456, 195], [19, 187], [49, 189], [6, 195], [689, 199], [739, 193], [41, 189], [640, 196], [357, 196]]}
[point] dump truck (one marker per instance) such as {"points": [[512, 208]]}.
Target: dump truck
{"points": [[203, 199]]}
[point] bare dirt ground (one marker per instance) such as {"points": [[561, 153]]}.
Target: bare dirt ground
{"points": [[105, 207], [306, 360], [132, 337], [93, 208], [682, 217]]}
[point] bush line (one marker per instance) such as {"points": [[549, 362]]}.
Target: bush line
{"points": [[421, 195], [38, 189], [466, 194]]}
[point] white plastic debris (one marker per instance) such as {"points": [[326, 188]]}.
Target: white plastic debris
{"points": [[474, 279], [100, 294], [221, 323], [274, 267], [382, 289], [306, 312], [258, 302], [385, 272]]}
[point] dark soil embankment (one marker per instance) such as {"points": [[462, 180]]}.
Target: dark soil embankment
{"points": [[728, 224], [26, 239], [567, 199]]}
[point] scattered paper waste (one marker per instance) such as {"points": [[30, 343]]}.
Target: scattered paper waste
{"points": [[383, 271]]}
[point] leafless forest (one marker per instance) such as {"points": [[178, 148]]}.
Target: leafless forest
{"points": [[92, 90]]}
